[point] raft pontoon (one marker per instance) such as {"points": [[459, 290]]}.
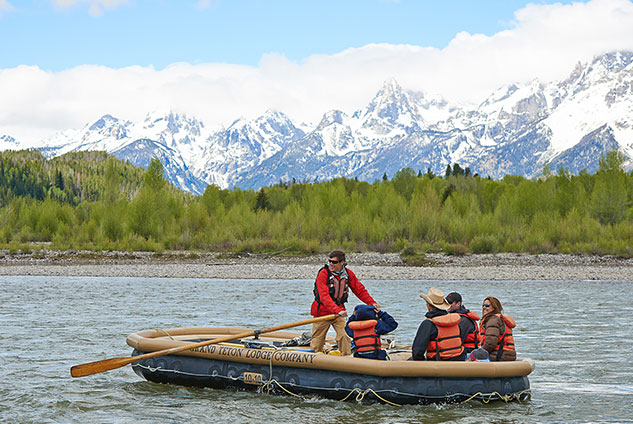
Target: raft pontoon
{"points": [[265, 365]]}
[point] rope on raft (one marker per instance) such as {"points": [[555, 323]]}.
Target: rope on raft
{"points": [[160, 330], [271, 384], [359, 397], [360, 394]]}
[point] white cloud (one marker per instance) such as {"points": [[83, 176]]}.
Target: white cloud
{"points": [[544, 41], [95, 7], [206, 4], [5, 7]]}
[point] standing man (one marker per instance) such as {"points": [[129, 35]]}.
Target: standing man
{"points": [[468, 328], [438, 336], [331, 289]]}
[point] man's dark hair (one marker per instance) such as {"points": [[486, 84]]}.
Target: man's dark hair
{"points": [[338, 254], [453, 297]]}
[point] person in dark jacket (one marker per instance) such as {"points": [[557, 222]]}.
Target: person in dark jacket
{"points": [[468, 327], [384, 323], [426, 339]]}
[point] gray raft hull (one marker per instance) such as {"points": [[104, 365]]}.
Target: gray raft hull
{"points": [[223, 374]]}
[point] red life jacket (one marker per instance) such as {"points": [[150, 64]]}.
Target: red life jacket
{"points": [[365, 337], [448, 342], [472, 339], [338, 289], [506, 340]]}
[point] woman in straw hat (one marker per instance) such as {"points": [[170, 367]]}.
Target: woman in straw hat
{"points": [[438, 336]]}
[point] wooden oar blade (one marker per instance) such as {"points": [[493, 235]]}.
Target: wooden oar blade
{"points": [[90, 368]]}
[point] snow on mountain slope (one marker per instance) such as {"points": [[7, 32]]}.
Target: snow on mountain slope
{"points": [[140, 153], [245, 144], [517, 130], [107, 133], [179, 132], [169, 137], [601, 94], [8, 143]]}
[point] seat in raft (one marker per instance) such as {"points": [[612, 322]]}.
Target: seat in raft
{"points": [[267, 367]]}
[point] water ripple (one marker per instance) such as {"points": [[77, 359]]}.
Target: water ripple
{"points": [[580, 345]]}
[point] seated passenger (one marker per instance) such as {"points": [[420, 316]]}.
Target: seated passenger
{"points": [[365, 326], [438, 335], [478, 355], [496, 331], [468, 324]]}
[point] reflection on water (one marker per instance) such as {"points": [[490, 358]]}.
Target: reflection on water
{"points": [[576, 331]]}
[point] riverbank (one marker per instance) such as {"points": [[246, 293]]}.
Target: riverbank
{"points": [[367, 266]]}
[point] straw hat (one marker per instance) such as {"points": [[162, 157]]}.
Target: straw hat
{"points": [[435, 297]]}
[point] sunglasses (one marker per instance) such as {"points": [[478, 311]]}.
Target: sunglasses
{"points": [[485, 305], [332, 261]]}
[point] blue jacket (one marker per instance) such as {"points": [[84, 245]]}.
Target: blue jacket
{"points": [[385, 324]]}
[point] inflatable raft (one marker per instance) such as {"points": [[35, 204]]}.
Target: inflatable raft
{"points": [[265, 364]]}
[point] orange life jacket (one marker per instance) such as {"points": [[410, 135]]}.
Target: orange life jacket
{"points": [[365, 337], [506, 340], [448, 342], [472, 339]]}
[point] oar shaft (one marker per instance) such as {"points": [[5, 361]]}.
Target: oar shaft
{"points": [[113, 363]]}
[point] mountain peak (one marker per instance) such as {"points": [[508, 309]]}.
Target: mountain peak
{"points": [[274, 113], [391, 85], [500, 94], [391, 105], [613, 61], [7, 142], [330, 118], [172, 121], [389, 91], [103, 122], [274, 116]]}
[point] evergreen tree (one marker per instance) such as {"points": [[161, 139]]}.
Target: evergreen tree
{"points": [[261, 201], [448, 172], [59, 180], [457, 170]]}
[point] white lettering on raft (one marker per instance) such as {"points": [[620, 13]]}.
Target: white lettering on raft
{"points": [[256, 354]]}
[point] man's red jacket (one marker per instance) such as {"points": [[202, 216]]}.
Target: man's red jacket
{"points": [[327, 305]]}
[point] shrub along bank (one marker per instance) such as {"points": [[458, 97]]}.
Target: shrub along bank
{"points": [[99, 203]]}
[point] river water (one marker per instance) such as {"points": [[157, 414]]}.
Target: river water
{"points": [[578, 332]]}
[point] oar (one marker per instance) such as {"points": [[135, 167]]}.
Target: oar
{"points": [[90, 368]]}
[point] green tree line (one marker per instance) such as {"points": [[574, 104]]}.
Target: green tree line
{"points": [[72, 178], [108, 205]]}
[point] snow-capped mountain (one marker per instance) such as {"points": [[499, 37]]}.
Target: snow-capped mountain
{"points": [[174, 139], [232, 152], [8, 143], [517, 130]]}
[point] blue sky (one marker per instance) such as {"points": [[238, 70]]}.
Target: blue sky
{"points": [[63, 34], [65, 63]]}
